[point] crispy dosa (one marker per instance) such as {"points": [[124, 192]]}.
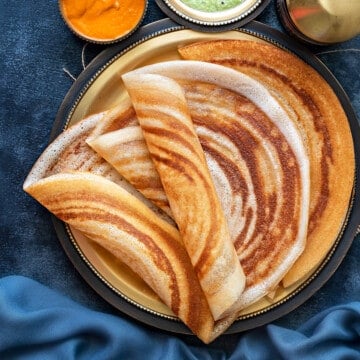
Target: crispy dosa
{"points": [[69, 157], [113, 218], [70, 152], [313, 106], [126, 151], [165, 121], [259, 167]]}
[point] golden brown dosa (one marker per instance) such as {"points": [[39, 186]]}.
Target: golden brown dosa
{"points": [[313, 106], [165, 121], [113, 218]]}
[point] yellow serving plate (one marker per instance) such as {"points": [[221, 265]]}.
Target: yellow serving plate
{"points": [[99, 88]]}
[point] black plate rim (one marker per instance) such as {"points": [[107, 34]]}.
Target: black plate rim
{"points": [[328, 269]]}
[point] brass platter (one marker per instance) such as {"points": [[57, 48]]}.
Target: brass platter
{"points": [[98, 88]]}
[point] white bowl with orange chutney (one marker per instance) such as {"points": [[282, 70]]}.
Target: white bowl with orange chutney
{"points": [[103, 21]]}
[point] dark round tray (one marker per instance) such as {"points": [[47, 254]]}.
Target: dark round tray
{"points": [[327, 268]]}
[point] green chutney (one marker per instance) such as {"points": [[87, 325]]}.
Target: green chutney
{"points": [[212, 5]]}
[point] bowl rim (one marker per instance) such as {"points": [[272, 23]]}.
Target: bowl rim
{"points": [[212, 26]]}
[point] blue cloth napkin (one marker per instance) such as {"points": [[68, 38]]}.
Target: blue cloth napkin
{"points": [[39, 323]]}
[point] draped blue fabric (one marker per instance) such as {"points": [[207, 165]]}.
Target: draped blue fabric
{"points": [[39, 323]]}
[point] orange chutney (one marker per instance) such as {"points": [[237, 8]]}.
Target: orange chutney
{"points": [[103, 20]]}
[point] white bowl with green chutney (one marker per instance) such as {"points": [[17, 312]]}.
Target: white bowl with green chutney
{"points": [[213, 12]]}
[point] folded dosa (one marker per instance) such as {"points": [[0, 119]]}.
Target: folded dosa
{"points": [[126, 151], [70, 152], [67, 158], [120, 116], [165, 121], [312, 105], [113, 218], [259, 167]]}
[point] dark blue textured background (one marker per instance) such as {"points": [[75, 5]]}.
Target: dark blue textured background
{"points": [[35, 48]]}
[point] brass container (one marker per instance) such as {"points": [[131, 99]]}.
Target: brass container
{"points": [[320, 22]]}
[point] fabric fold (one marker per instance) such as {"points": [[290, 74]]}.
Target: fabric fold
{"points": [[52, 326]]}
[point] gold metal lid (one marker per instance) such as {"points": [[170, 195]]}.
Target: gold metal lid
{"points": [[320, 22]]}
